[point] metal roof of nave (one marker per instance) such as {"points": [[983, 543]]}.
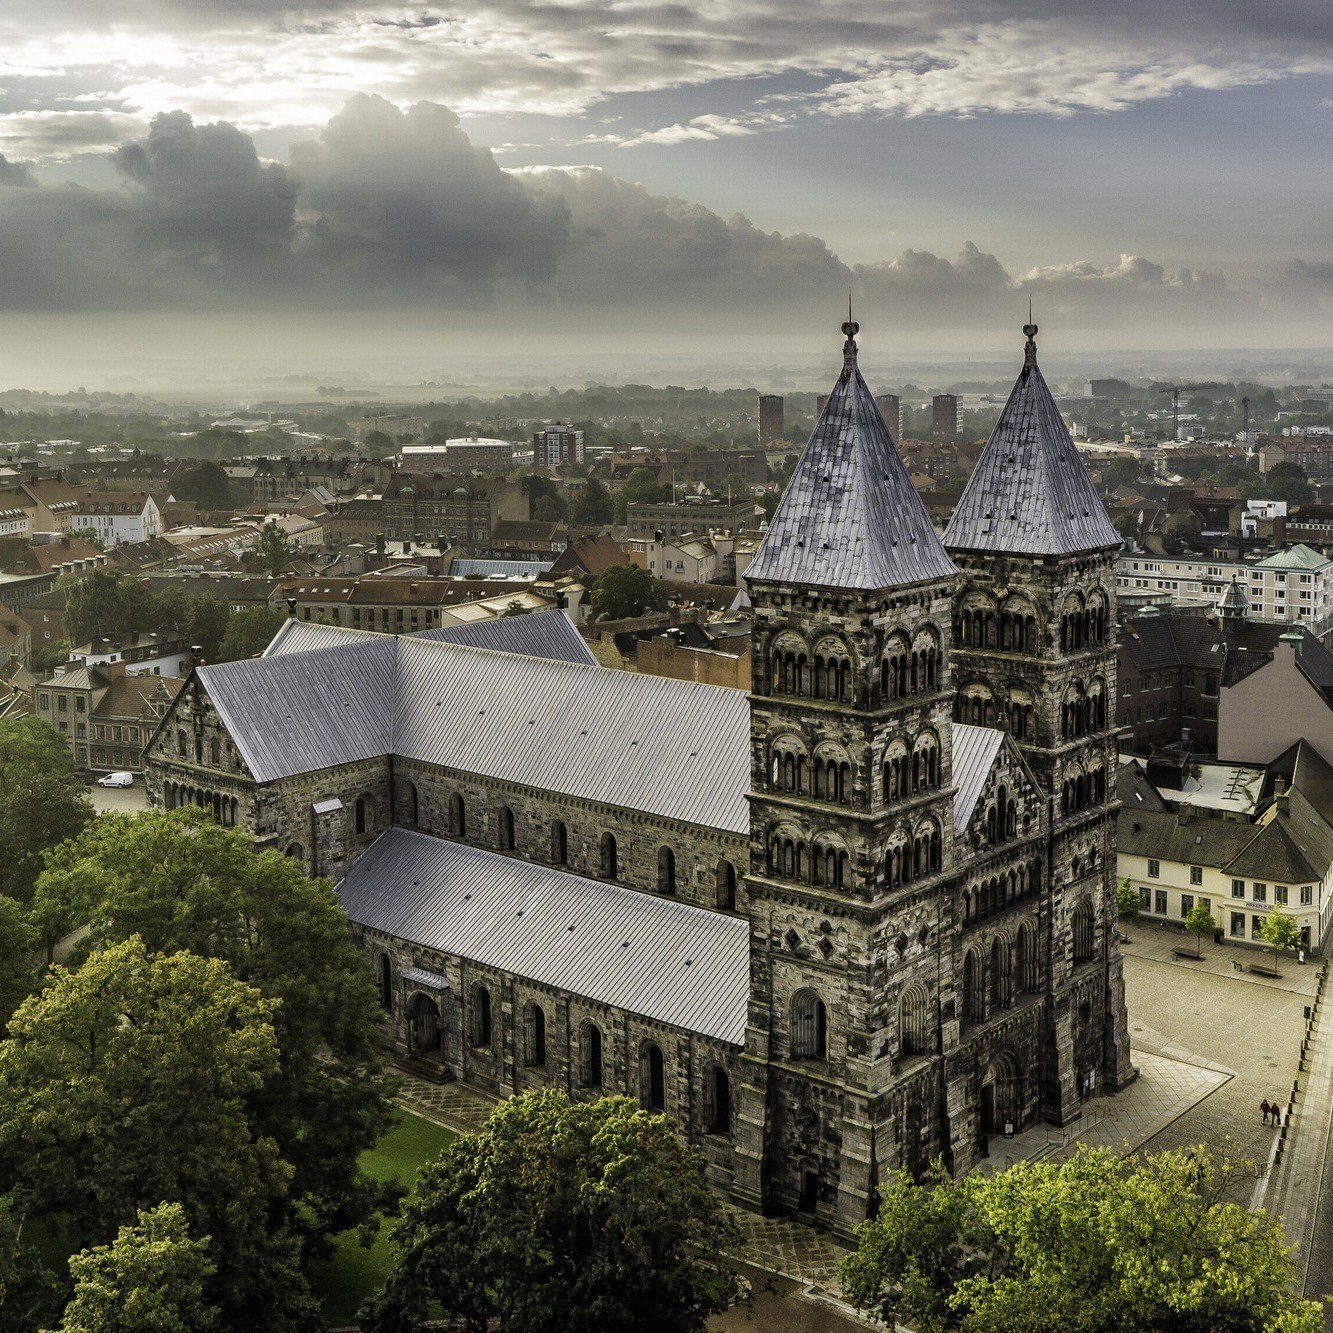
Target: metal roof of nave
{"points": [[850, 517], [1030, 493]]}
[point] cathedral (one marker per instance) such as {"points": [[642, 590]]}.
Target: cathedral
{"points": [[855, 920]]}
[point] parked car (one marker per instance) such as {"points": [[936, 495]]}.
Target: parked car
{"points": [[116, 780]]}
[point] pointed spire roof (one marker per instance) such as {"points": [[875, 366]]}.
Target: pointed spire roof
{"points": [[850, 518], [1030, 493]]}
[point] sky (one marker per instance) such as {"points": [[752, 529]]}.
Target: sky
{"points": [[267, 183]]}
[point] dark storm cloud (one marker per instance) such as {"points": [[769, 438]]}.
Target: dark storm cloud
{"points": [[390, 210]]}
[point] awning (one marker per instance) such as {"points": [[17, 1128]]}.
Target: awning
{"points": [[418, 976]]}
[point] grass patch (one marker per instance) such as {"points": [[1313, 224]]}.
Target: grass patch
{"points": [[356, 1272]]}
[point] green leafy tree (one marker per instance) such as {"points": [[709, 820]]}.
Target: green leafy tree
{"points": [[150, 1279], [210, 618], [1099, 1242], [272, 554], [17, 970], [1288, 482], [131, 1080], [1128, 904], [515, 608], [1199, 922], [41, 801], [249, 632], [1280, 931], [208, 485], [545, 501], [106, 604], [562, 1215], [178, 880], [594, 507], [376, 443], [28, 1290], [642, 487], [624, 591]]}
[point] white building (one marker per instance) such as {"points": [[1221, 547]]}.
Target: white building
{"points": [[116, 517], [1293, 584], [143, 654]]}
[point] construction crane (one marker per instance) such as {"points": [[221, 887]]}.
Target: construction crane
{"points": [[1175, 390]]}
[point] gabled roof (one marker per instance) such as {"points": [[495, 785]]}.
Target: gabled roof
{"points": [[670, 748], [657, 957], [850, 518], [1030, 493]]}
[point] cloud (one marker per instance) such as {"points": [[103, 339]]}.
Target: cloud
{"points": [[398, 211], [266, 63], [16, 173]]}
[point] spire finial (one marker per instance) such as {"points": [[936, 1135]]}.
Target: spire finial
{"points": [[851, 328], [1030, 331]]}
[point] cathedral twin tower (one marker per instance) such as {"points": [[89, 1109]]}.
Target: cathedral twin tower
{"points": [[933, 949]]}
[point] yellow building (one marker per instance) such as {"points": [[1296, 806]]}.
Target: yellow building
{"points": [[1178, 859]]}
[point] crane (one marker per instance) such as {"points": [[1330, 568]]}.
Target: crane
{"points": [[1175, 390]]}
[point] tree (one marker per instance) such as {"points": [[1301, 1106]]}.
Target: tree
{"points": [[132, 1080], [624, 591], [210, 618], [28, 1290], [562, 1215], [545, 501], [593, 507], [1199, 922], [41, 801], [273, 552], [249, 632], [1128, 527], [515, 608], [1121, 472], [106, 604], [1128, 904], [1280, 931], [207, 485], [150, 1279], [177, 880], [1288, 482], [17, 971], [1097, 1242], [642, 487]]}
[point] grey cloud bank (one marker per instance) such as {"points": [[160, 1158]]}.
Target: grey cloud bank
{"points": [[389, 210]]}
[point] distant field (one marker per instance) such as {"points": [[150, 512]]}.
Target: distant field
{"points": [[356, 1272]]}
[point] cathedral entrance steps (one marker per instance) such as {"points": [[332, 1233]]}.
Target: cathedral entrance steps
{"points": [[1164, 1091]]}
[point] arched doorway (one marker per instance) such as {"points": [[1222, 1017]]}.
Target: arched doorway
{"points": [[1001, 1095], [424, 1020]]}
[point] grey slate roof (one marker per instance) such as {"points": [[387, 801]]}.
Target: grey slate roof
{"points": [[850, 518], [539, 634], [671, 748], [667, 747], [548, 634], [1030, 493], [656, 957], [974, 753]]}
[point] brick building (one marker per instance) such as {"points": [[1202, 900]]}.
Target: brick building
{"points": [[832, 927]]}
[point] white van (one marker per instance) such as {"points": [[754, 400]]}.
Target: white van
{"points": [[116, 780]]}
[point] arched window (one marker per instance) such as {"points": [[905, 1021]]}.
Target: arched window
{"points": [[666, 870], [295, 851], [215, 752], [362, 812], [1025, 959], [1082, 922], [458, 815], [652, 1078], [726, 886], [413, 803], [717, 1100], [384, 982], [479, 1003], [559, 843], [1001, 983], [809, 1026], [914, 1021], [607, 853], [590, 1055], [182, 744], [974, 987], [507, 839], [534, 1035]]}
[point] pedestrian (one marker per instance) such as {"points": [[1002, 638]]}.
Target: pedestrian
{"points": [[1264, 1109], [1277, 1113]]}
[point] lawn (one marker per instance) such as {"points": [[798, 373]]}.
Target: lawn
{"points": [[355, 1272]]}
